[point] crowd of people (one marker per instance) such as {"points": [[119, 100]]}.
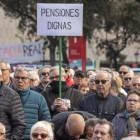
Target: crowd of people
{"points": [[95, 105]]}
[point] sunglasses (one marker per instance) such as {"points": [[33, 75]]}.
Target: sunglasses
{"points": [[127, 78], [44, 73], [122, 72], [22, 78], [136, 84], [43, 135], [102, 81], [55, 77], [66, 71]]}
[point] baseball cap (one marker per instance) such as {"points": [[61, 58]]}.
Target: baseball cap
{"points": [[65, 66], [79, 72]]}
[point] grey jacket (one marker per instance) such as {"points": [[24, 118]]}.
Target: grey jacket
{"points": [[119, 122]]}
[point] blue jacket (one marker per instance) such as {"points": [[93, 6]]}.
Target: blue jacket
{"points": [[119, 122], [35, 109]]}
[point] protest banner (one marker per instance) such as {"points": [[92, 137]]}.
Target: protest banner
{"points": [[22, 53]]}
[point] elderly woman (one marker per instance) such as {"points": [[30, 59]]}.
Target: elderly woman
{"points": [[42, 130], [126, 123]]}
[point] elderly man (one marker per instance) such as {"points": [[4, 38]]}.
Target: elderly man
{"points": [[11, 112], [34, 104], [126, 81], [70, 125], [79, 78], [6, 71], [101, 104], [103, 130], [34, 78], [70, 97], [44, 79], [135, 83], [2, 132], [124, 69]]}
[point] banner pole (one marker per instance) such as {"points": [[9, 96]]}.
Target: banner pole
{"points": [[60, 65]]}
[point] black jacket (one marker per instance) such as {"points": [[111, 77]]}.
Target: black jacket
{"points": [[106, 107], [60, 120], [38, 88], [11, 113], [52, 93]]}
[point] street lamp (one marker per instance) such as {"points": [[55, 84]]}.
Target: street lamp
{"points": [[136, 57]]}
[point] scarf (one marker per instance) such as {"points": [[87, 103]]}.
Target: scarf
{"points": [[55, 86], [131, 124]]}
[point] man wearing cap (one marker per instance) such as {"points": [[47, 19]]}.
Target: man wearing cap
{"points": [[70, 97], [79, 78], [70, 81]]}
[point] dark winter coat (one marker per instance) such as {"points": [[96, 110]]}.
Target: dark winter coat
{"points": [[38, 88], [106, 107], [60, 120], [52, 93], [11, 113]]}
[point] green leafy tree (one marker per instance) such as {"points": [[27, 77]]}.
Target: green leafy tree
{"points": [[121, 25]]}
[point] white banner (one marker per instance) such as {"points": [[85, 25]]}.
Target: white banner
{"points": [[22, 53], [60, 19]]}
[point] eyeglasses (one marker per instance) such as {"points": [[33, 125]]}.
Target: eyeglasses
{"points": [[43, 135], [54, 77], [22, 78], [122, 72], [133, 100], [92, 81], [102, 81], [44, 73], [127, 78], [2, 133], [4, 70], [136, 84], [33, 80]]}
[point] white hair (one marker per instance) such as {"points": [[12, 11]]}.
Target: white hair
{"points": [[40, 70], [133, 78], [46, 126], [6, 64], [93, 75], [57, 68], [35, 73], [72, 72], [108, 74]]}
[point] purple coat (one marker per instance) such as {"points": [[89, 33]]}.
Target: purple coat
{"points": [[119, 122]]}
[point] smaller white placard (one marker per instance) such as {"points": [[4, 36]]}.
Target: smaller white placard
{"points": [[60, 19]]}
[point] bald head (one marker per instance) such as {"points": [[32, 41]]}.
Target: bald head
{"points": [[75, 125]]}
